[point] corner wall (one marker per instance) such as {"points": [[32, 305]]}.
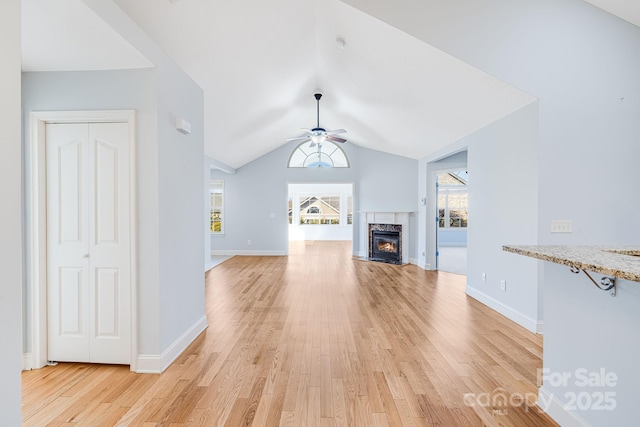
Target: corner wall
{"points": [[11, 219], [503, 206], [170, 242]]}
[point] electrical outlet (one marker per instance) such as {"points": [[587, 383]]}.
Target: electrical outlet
{"points": [[562, 226], [503, 285], [484, 277]]}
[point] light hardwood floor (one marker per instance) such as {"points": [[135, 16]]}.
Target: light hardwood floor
{"points": [[316, 339]]}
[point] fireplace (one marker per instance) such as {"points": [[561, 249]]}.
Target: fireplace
{"points": [[385, 243]]}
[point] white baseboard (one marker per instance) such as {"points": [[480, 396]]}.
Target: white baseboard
{"points": [[424, 266], [156, 364], [208, 267], [27, 361], [521, 319], [247, 253], [413, 261], [550, 404]]}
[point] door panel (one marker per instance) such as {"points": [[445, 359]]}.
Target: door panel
{"points": [[106, 192], [67, 242], [108, 307], [109, 243], [70, 321], [88, 253], [70, 180]]}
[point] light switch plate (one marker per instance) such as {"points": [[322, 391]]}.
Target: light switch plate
{"points": [[562, 226]]}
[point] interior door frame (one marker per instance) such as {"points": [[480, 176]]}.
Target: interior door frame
{"points": [[38, 223]]}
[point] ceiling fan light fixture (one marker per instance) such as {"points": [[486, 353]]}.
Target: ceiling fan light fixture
{"points": [[318, 138]]}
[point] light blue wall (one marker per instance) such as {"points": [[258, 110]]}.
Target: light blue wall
{"points": [[11, 219], [110, 90], [180, 203], [180, 187], [583, 65], [584, 71], [259, 189], [452, 237], [170, 184]]}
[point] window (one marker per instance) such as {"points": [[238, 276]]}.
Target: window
{"points": [[453, 200], [216, 204], [318, 206], [452, 208], [320, 209], [325, 155]]}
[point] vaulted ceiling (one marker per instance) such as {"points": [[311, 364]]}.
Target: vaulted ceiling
{"points": [[260, 61]]}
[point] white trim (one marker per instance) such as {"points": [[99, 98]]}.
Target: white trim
{"points": [[149, 364], [38, 224], [156, 364], [247, 253], [413, 261], [222, 208], [27, 361], [518, 317], [550, 404], [424, 266]]}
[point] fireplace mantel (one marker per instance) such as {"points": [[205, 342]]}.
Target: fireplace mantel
{"points": [[377, 217]]}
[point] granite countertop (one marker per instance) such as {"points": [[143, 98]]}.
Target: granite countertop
{"points": [[616, 261]]}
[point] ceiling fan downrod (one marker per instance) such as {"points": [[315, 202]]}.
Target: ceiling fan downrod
{"points": [[318, 95]]}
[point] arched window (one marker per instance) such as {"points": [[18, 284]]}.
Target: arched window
{"points": [[325, 155]]}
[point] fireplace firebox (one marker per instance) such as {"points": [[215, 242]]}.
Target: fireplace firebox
{"points": [[385, 243]]}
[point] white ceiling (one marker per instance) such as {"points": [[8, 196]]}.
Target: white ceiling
{"points": [[65, 35], [629, 10], [259, 62]]}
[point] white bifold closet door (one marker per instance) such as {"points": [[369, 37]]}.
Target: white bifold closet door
{"points": [[88, 250]]}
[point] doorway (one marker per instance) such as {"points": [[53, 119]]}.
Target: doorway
{"points": [[452, 221], [319, 212], [82, 226]]}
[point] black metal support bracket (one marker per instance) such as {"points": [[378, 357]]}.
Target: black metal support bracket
{"points": [[606, 283]]}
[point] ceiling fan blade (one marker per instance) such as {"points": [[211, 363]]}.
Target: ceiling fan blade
{"points": [[333, 132], [298, 138], [336, 139], [313, 144]]}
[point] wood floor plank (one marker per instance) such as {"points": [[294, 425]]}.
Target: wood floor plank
{"points": [[315, 338]]}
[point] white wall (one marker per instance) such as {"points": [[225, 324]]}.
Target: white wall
{"points": [[11, 254], [260, 188], [581, 340]]}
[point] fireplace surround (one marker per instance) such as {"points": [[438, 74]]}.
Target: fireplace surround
{"points": [[385, 243], [399, 221]]}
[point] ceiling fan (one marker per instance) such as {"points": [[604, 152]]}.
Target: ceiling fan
{"points": [[318, 135]]}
